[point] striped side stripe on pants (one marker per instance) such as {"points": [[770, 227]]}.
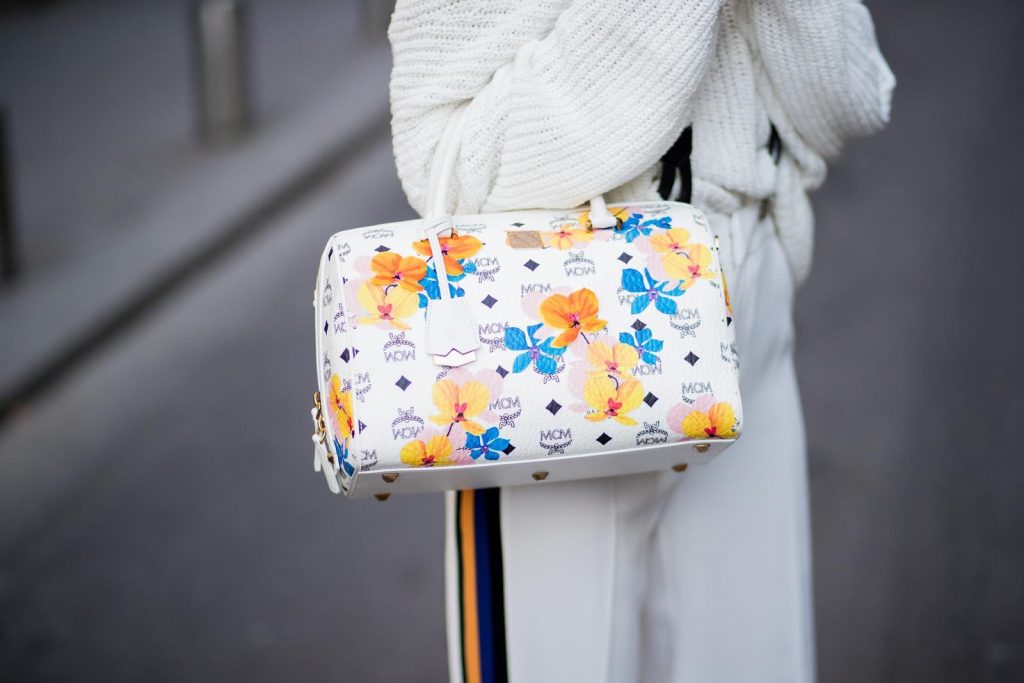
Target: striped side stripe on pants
{"points": [[477, 649]]}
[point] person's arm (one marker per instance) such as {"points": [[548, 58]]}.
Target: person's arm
{"points": [[823, 62], [566, 98]]}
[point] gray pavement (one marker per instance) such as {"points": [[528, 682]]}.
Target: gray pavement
{"points": [[159, 518], [166, 520], [100, 95]]}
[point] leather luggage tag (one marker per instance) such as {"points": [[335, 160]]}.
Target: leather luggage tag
{"points": [[524, 239], [452, 337]]}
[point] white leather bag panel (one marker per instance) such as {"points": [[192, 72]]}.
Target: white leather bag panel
{"points": [[599, 352]]}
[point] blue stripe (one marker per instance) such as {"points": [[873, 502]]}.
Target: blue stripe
{"points": [[484, 578]]}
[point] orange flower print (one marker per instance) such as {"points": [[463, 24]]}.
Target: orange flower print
{"points": [[339, 404], [454, 248], [690, 267], [572, 314], [434, 452], [725, 293], [458, 404], [611, 400], [719, 422], [406, 271], [389, 308], [616, 360], [671, 241], [567, 236]]}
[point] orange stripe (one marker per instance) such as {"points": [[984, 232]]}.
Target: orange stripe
{"points": [[470, 625]]}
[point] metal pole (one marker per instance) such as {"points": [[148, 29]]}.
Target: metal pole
{"points": [[221, 52], [9, 265]]}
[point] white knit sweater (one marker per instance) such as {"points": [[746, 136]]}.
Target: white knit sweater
{"points": [[573, 98]]}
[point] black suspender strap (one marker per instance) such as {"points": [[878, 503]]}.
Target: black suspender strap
{"points": [[775, 144], [677, 160]]}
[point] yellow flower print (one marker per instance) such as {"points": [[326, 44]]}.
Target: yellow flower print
{"points": [[616, 360], [719, 422], [339, 404], [435, 452], [573, 314], [567, 236], [671, 241], [458, 403], [611, 399], [406, 271], [454, 248], [689, 267], [387, 309]]}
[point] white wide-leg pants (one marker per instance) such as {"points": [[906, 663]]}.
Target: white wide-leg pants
{"points": [[694, 577]]}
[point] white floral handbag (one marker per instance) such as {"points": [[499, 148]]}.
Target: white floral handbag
{"points": [[521, 347]]}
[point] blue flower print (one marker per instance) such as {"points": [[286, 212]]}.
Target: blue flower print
{"points": [[432, 290], [633, 227], [342, 453], [651, 290], [645, 346], [542, 355], [489, 445]]}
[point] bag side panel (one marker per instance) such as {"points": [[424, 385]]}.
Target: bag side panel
{"points": [[334, 369]]}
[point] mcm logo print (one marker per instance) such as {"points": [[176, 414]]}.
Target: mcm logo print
{"points": [[368, 459], [651, 433], [685, 329], [578, 265], [626, 298], [543, 287], [655, 210], [686, 320], [513, 410], [486, 267], [553, 377], [470, 227], [493, 335], [555, 440], [398, 349], [328, 294], [327, 368], [509, 419], [646, 369], [339, 320], [695, 388], [362, 385], [377, 233], [729, 354], [407, 425], [344, 249]]}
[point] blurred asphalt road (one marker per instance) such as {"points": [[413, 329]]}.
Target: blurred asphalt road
{"points": [[192, 539], [160, 519]]}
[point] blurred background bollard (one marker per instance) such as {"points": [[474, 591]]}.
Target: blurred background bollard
{"points": [[8, 241], [377, 17], [220, 53]]}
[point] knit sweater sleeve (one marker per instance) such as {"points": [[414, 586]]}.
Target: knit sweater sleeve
{"points": [[824, 63], [566, 98]]}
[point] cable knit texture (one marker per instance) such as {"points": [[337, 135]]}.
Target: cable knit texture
{"points": [[568, 99]]}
